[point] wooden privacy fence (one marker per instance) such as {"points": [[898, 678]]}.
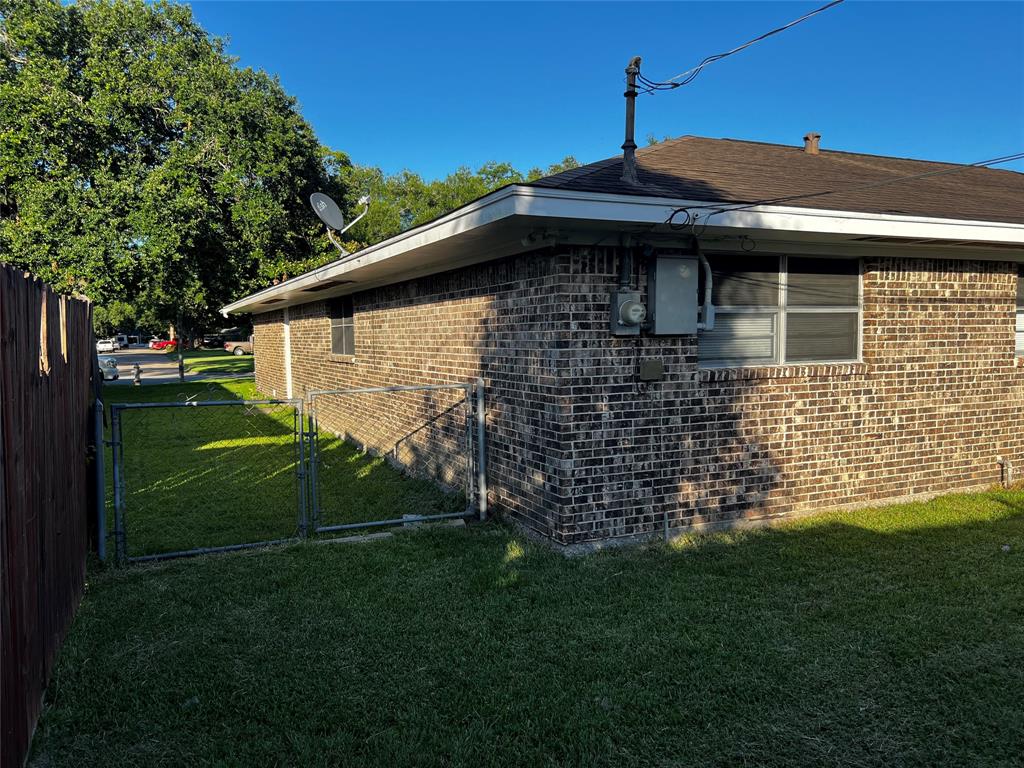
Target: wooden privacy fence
{"points": [[46, 354]]}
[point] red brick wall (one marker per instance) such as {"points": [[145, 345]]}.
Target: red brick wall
{"points": [[268, 353], [495, 321], [938, 397], [581, 451]]}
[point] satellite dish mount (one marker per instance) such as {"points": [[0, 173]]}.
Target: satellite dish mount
{"points": [[330, 214]]}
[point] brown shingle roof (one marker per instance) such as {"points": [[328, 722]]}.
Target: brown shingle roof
{"points": [[727, 170]]}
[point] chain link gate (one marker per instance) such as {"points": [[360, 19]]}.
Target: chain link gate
{"points": [[433, 435], [194, 477], [197, 477]]}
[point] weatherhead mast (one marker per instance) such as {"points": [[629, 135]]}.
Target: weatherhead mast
{"points": [[629, 145]]}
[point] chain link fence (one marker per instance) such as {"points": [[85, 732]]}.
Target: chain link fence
{"points": [[430, 434], [191, 477], [199, 476]]}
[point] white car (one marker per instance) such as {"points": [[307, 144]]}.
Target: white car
{"points": [[108, 367], [106, 345]]}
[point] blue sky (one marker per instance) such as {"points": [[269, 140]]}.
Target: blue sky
{"points": [[430, 86]]}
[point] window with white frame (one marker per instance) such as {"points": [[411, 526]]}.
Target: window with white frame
{"points": [[1020, 310], [773, 309]]}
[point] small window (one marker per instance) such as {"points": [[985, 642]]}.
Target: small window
{"points": [[772, 309], [343, 336], [1020, 310]]}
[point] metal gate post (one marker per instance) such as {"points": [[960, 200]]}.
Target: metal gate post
{"points": [[117, 455], [314, 459], [101, 481], [467, 402], [299, 420], [481, 452]]}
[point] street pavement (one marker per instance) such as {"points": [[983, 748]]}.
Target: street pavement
{"points": [[157, 367]]}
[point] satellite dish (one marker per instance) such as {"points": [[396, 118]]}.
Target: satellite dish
{"points": [[328, 211], [330, 214]]}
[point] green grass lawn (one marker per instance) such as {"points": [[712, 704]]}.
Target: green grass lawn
{"points": [[890, 637], [215, 361], [218, 475]]}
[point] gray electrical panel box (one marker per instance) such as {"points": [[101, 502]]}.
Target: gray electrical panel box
{"points": [[672, 295]]}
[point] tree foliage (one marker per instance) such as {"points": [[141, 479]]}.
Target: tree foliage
{"points": [[141, 167], [405, 200]]}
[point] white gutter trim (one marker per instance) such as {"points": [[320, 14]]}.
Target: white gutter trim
{"points": [[287, 353], [460, 220], [518, 200], [740, 218]]}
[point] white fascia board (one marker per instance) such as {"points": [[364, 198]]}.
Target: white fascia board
{"points": [[655, 210], [495, 206], [542, 202]]}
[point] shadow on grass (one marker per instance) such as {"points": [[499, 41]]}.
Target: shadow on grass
{"points": [[207, 476], [355, 486], [382, 456], [891, 636]]}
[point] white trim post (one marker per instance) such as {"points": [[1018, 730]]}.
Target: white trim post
{"points": [[287, 354]]}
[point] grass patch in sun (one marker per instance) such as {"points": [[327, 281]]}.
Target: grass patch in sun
{"points": [[221, 475], [215, 361]]}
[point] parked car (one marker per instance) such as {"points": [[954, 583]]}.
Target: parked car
{"points": [[212, 340], [239, 347], [106, 345], [236, 333], [108, 368], [122, 341], [167, 345], [217, 339]]}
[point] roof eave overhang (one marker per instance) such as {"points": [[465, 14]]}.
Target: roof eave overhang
{"points": [[469, 225]]}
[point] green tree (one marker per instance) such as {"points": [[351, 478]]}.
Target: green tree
{"points": [[141, 167], [567, 164], [404, 199]]}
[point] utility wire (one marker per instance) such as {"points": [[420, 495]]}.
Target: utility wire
{"points": [[684, 78], [718, 208]]}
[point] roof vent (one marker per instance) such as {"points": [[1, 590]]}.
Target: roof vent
{"points": [[811, 142], [325, 286]]}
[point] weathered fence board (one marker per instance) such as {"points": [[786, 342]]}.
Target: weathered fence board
{"points": [[46, 353]]}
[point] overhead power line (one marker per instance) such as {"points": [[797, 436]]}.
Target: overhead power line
{"points": [[684, 78], [717, 208]]}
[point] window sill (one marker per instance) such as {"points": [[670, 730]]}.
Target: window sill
{"points": [[341, 358], [792, 371]]}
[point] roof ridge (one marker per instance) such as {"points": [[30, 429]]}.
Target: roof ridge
{"points": [[667, 143], [578, 173], [599, 165], [823, 151]]}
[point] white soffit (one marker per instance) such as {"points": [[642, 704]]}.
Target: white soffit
{"points": [[495, 225]]}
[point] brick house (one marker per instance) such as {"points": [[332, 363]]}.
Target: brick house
{"points": [[867, 345]]}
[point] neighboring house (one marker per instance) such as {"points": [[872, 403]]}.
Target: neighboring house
{"points": [[868, 346]]}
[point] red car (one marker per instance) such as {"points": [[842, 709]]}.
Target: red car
{"points": [[165, 344]]}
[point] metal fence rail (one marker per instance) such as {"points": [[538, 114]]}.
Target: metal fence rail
{"points": [[197, 477], [432, 433]]}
